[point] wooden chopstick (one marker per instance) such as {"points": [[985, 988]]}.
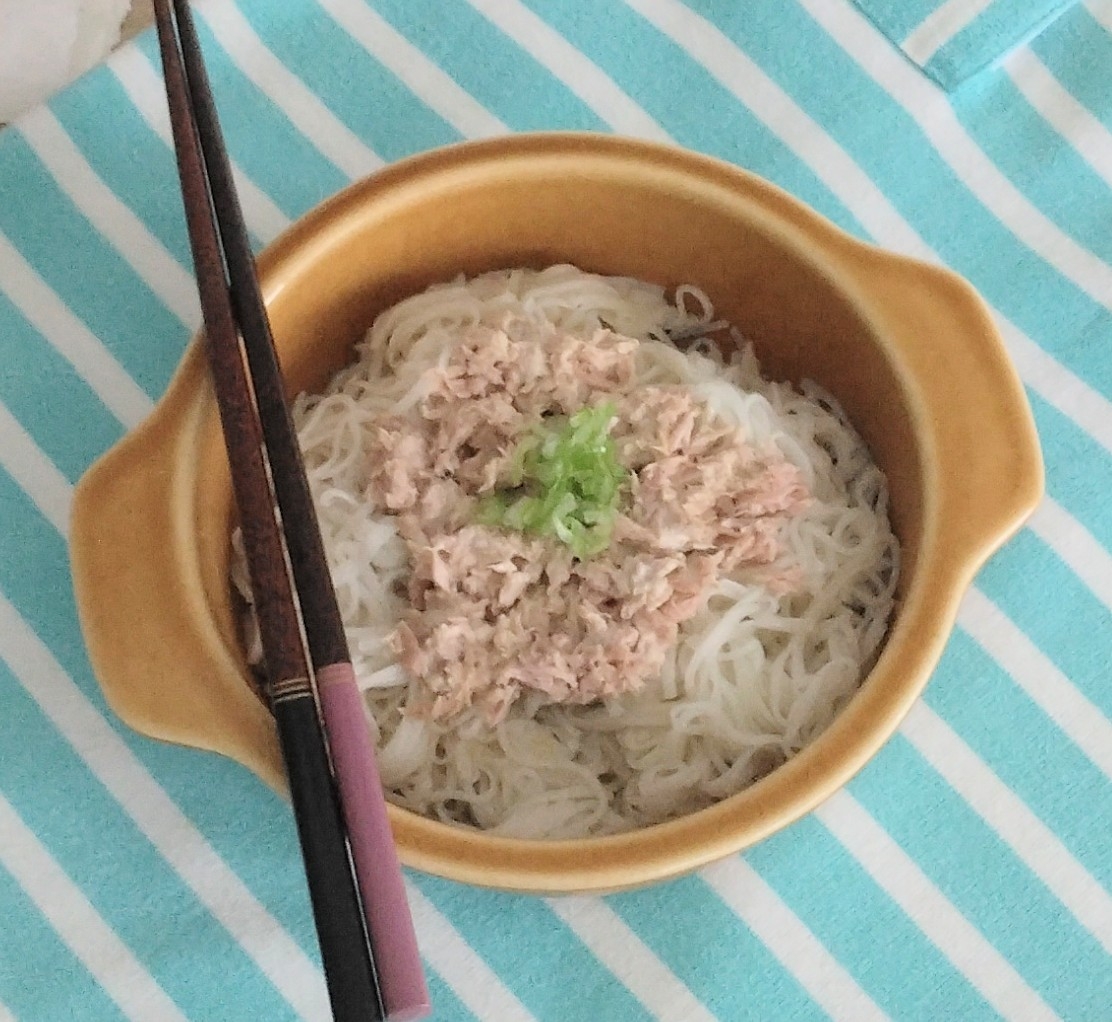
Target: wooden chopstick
{"points": [[349, 971], [389, 922], [220, 250]]}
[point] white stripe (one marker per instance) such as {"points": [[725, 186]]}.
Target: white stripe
{"points": [[740, 75], [928, 106], [940, 26], [1033, 842], [580, 76], [794, 945], [617, 947], [171, 832], [144, 88], [471, 979], [46, 312], [1034, 672], [1075, 546], [34, 472], [910, 888], [437, 90], [6, 1014], [1057, 386], [302, 106], [152, 263], [1088, 136], [79, 925]]}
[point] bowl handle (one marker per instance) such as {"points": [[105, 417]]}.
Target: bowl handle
{"points": [[130, 513], [987, 465]]}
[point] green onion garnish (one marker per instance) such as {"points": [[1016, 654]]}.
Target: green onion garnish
{"points": [[565, 481]]}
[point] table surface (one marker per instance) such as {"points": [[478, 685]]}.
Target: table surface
{"points": [[964, 874]]}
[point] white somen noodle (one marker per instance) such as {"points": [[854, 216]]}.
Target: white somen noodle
{"points": [[755, 675]]}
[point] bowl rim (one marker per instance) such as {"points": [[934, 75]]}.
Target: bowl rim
{"points": [[681, 845]]}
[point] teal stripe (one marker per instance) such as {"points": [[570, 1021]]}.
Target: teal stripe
{"points": [[1073, 47], [960, 228], [114, 155], [248, 825], [984, 880], [1003, 726], [34, 574], [1009, 130], [897, 19], [556, 965], [647, 65], [93, 279], [1005, 22], [446, 1006], [912, 175], [492, 68], [258, 136], [993, 33], [380, 110], [195, 959], [1086, 665], [703, 942], [1078, 470], [862, 927], [40, 978], [41, 389], [165, 220]]}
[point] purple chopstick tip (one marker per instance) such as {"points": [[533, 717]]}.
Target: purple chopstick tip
{"points": [[378, 872]]}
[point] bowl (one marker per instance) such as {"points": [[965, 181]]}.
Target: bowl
{"points": [[907, 348]]}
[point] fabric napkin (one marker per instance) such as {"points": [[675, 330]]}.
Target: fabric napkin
{"points": [[46, 44], [965, 874], [954, 39]]}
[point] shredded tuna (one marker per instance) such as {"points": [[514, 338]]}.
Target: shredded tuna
{"points": [[494, 613]]}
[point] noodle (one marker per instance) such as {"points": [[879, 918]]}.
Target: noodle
{"points": [[755, 675]]}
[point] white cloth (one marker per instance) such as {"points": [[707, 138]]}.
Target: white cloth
{"points": [[45, 44]]}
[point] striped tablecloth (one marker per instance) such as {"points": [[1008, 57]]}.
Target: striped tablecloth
{"points": [[964, 875]]}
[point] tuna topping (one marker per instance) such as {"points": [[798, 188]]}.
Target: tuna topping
{"points": [[561, 524]]}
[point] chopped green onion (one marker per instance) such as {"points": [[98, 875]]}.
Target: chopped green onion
{"points": [[565, 480]]}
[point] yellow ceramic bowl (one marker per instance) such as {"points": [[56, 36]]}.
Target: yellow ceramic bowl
{"points": [[907, 348]]}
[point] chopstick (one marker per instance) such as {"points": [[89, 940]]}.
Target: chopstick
{"points": [[349, 971], [376, 865], [222, 256]]}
